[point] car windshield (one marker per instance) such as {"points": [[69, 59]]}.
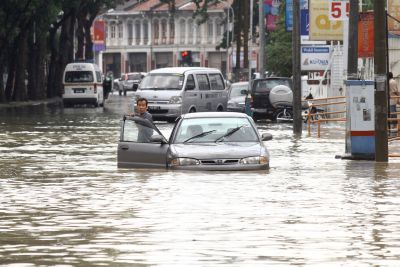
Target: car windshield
{"points": [[236, 90], [160, 81], [135, 76], [78, 76], [212, 130], [266, 85]]}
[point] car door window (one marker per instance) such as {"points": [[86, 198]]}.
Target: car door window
{"points": [[190, 85], [217, 83], [137, 131], [203, 82]]}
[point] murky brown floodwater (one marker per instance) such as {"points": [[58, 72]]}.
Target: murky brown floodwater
{"points": [[64, 202]]}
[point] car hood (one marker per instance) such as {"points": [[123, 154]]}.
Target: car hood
{"points": [[157, 95], [218, 150]]}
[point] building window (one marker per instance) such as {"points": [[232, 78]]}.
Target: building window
{"points": [[220, 27], [198, 32], [137, 32], [145, 32], [182, 31], [130, 32], [155, 31], [113, 30], [210, 31], [190, 25], [120, 31], [171, 31], [164, 31]]}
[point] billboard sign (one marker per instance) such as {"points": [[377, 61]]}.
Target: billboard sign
{"points": [[315, 57], [366, 35], [394, 11], [321, 27]]}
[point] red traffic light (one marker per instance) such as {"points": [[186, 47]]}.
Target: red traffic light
{"points": [[184, 53]]}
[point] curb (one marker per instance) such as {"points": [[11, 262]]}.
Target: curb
{"points": [[56, 100]]}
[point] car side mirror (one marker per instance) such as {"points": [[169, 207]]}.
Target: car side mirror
{"points": [[266, 136], [157, 138]]}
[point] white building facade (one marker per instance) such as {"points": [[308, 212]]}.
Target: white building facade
{"points": [[147, 35]]}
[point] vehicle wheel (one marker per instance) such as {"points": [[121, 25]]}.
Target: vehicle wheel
{"points": [[96, 104], [192, 110], [284, 115], [220, 109]]}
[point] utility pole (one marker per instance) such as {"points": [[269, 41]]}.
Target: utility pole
{"points": [[380, 69], [250, 38], [261, 30], [352, 61], [296, 70]]}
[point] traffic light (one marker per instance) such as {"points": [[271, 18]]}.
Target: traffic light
{"points": [[186, 57]]}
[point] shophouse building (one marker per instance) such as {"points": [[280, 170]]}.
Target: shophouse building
{"points": [[146, 35]]}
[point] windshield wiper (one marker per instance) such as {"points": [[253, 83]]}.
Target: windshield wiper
{"points": [[232, 131], [199, 135]]}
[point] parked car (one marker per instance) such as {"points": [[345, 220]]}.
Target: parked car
{"points": [[198, 141], [131, 81], [237, 96], [118, 83], [261, 105]]}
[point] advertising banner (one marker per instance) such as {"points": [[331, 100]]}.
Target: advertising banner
{"points": [[315, 57], [321, 27], [394, 11], [98, 34], [366, 35], [289, 15]]}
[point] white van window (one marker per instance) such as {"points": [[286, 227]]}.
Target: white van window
{"points": [[203, 82], [216, 81], [79, 76], [190, 85], [162, 81], [98, 76]]}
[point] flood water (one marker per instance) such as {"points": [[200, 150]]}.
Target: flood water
{"points": [[64, 202]]}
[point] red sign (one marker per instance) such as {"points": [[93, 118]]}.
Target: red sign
{"points": [[366, 35], [98, 31]]}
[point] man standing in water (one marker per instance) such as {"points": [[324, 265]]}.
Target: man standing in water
{"points": [[145, 132]]}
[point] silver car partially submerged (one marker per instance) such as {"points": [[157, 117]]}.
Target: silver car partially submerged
{"points": [[198, 141]]}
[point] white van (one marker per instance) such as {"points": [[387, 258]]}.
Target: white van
{"points": [[83, 84], [171, 92]]}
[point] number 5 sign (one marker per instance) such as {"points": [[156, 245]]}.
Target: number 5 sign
{"points": [[339, 10]]}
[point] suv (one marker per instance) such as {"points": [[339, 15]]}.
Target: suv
{"points": [[130, 81], [260, 91]]}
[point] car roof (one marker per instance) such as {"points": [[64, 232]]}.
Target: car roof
{"points": [[214, 115], [182, 70]]}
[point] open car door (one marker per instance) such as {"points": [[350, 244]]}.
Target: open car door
{"points": [[141, 145]]}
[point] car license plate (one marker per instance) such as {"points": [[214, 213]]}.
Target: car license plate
{"points": [[154, 107], [79, 90]]}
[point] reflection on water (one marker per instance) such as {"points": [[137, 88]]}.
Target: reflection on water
{"points": [[63, 200]]}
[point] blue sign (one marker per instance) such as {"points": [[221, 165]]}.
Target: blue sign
{"points": [[304, 22], [289, 15]]}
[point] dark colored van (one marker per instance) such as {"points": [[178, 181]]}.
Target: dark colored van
{"points": [[260, 90]]}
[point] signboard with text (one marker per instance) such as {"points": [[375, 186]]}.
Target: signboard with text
{"points": [[321, 27], [394, 11], [315, 57], [366, 35]]}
